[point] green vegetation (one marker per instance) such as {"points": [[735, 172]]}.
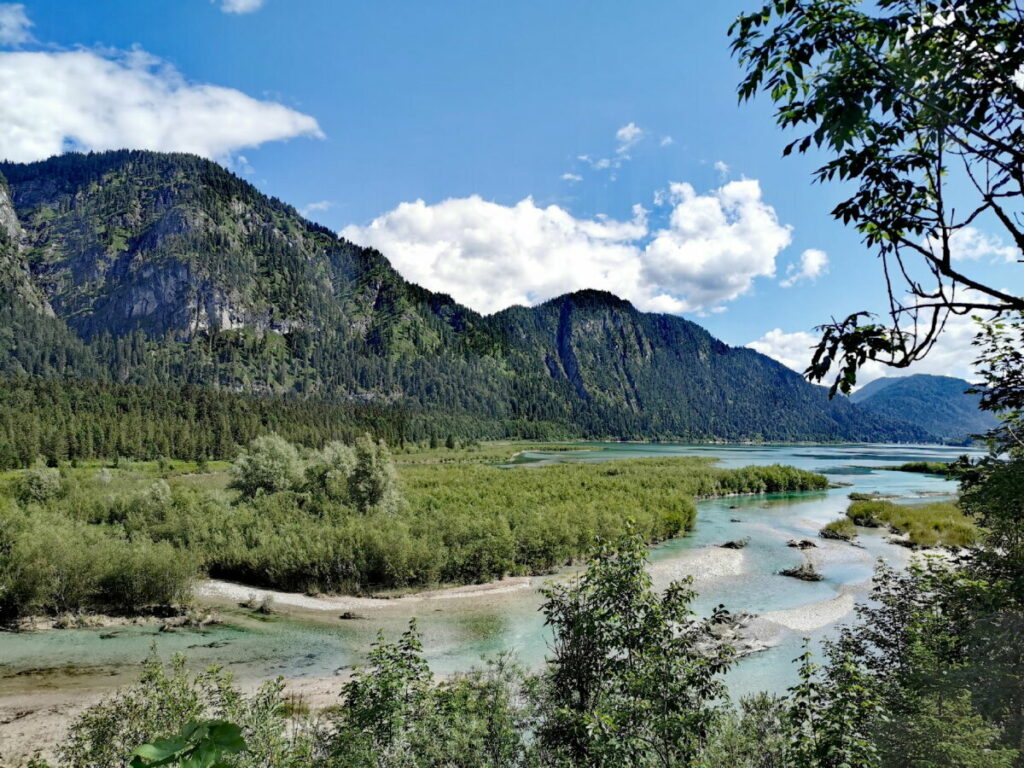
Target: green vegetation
{"points": [[867, 496], [624, 686], [842, 529], [925, 467], [340, 519], [937, 524]]}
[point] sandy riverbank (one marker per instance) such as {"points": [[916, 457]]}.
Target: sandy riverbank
{"points": [[705, 565]]}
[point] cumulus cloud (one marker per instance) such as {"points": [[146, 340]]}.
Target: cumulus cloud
{"points": [[14, 25], [90, 100], [970, 244], [715, 245], [813, 264], [793, 350], [491, 256], [952, 355], [571, 177], [240, 6], [722, 168], [666, 141]]}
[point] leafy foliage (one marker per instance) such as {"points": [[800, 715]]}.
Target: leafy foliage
{"points": [[345, 519], [270, 464], [198, 745], [937, 524], [917, 109], [634, 676]]}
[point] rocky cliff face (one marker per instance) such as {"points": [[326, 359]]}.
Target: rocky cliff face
{"points": [[151, 243], [14, 273]]}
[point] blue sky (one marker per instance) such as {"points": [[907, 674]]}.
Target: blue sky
{"points": [[355, 111]]}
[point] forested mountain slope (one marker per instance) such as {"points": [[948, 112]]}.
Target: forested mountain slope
{"points": [[155, 269], [939, 404]]}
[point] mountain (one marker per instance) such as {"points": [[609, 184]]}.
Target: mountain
{"points": [[153, 269], [940, 405]]}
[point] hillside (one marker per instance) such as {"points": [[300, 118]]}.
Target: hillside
{"points": [[153, 269], [940, 405]]}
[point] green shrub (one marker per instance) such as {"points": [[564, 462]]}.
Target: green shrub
{"points": [[39, 484], [54, 565], [269, 464], [373, 481], [328, 472]]}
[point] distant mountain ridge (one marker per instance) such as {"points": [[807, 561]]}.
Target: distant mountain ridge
{"points": [[149, 268], [939, 404]]}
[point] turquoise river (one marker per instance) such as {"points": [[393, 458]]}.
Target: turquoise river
{"points": [[459, 629]]}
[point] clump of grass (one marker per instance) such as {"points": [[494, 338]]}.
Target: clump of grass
{"points": [[856, 496], [260, 604], [294, 705], [937, 524], [869, 514], [925, 467], [842, 529]]}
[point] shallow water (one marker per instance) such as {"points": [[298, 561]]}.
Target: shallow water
{"points": [[458, 633]]}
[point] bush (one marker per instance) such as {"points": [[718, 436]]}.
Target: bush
{"points": [[373, 483], [269, 464], [55, 565], [39, 484], [328, 473]]}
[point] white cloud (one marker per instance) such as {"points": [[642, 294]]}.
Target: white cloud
{"points": [[240, 6], [667, 141], [571, 177], [85, 99], [813, 264], [491, 256], [318, 207], [722, 168], [970, 244], [14, 24], [715, 245], [627, 136], [793, 350], [952, 355]]}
